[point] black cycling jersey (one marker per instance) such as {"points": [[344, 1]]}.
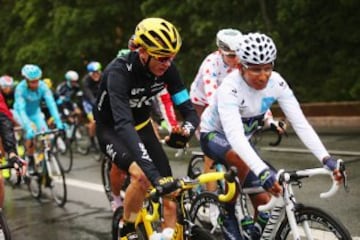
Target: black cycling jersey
{"points": [[124, 100], [90, 89], [65, 96]]}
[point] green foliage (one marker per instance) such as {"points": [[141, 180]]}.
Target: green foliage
{"points": [[317, 41]]}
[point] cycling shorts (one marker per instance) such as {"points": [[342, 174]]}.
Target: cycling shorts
{"points": [[215, 146], [88, 109], [37, 120], [113, 146]]}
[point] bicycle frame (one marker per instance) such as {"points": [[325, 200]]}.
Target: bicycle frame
{"points": [[182, 215], [286, 204]]}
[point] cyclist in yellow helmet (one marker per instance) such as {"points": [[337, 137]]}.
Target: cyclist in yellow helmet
{"points": [[124, 130]]}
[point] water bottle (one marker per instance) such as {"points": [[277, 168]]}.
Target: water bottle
{"points": [[156, 236], [248, 227], [167, 233]]}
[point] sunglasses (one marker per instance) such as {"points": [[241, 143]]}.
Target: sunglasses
{"points": [[229, 54], [163, 59]]}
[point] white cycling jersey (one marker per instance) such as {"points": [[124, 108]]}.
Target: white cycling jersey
{"points": [[235, 104], [210, 75]]}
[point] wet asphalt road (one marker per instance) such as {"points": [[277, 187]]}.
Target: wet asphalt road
{"points": [[87, 214]]}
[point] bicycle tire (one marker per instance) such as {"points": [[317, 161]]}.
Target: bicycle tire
{"points": [[34, 185], [117, 216], [56, 180], [321, 223], [194, 165], [4, 227], [105, 175], [115, 230], [83, 144], [67, 156], [200, 213]]}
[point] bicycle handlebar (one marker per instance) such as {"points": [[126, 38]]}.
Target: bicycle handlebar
{"points": [[287, 177]]}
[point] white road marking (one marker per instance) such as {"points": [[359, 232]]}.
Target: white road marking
{"points": [[298, 150], [84, 184]]}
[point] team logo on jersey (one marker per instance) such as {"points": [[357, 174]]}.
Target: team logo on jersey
{"points": [[110, 151], [139, 102], [266, 103], [136, 91], [102, 97], [129, 67], [145, 154]]}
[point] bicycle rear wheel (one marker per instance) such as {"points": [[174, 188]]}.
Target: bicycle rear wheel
{"points": [[4, 228], [320, 224], [82, 142], [56, 180]]}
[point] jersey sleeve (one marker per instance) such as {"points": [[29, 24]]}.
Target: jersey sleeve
{"points": [[50, 103], [118, 90], [167, 107], [230, 117], [20, 106], [210, 76], [181, 99], [291, 108], [4, 108]]}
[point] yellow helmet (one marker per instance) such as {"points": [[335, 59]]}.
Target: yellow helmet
{"points": [[158, 36], [48, 82]]}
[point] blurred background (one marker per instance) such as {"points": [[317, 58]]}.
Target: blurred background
{"points": [[317, 41]]}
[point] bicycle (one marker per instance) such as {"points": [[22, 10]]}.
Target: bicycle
{"points": [[185, 229], [196, 162], [288, 219], [73, 139], [5, 232], [48, 172]]}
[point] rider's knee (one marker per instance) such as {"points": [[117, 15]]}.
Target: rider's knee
{"points": [[138, 178], [169, 205]]}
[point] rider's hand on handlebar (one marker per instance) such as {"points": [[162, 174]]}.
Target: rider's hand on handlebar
{"points": [[166, 185], [19, 164], [269, 183], [333, 164], [178, 137], [280, 126]]}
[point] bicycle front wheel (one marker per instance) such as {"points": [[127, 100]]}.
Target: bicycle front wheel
{"points": [[66, 153], [315, 222], [208, 213], [4, 228], [56, 180], [105, 175]]}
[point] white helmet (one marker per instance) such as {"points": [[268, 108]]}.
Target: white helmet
{"points": [[71, 75], [228, 39], [257, 48]]}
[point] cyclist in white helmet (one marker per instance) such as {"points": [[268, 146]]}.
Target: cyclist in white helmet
{"points": [[244, 96], [65, 95], [214, 68]]}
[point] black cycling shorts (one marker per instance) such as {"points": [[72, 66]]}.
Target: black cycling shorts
{"points": [[107, 136]]}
